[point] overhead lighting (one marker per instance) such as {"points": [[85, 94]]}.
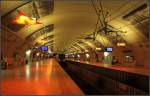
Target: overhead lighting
{"points": [[28, 52], [72, 55], [37, 54], [78, 56], [99, 49], [127, 56], [106, 53], [87, 55], [49, 51], [121, 44]]}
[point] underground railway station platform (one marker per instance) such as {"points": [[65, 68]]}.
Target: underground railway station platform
{"points": [[74, 47]]}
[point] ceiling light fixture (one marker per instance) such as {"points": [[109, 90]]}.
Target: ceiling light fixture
{"points": [[122, 44], [37, 54], [99, 49], [106, 54], [78, 56], [87, 55], [72, 55], [28, 52]]}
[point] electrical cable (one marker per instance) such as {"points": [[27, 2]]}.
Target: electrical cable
{"points": [[101, 9], [99, 19], [96, 12]]}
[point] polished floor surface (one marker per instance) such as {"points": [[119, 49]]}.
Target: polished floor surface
{"points": [[38, 78]]}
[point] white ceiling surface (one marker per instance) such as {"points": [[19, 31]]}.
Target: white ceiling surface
{"points": [[73, 18]]}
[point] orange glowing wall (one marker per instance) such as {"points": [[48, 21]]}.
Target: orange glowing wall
{"points": [[11, 44]]}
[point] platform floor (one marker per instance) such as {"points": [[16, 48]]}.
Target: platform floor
{"points": [[39, 78], [134, 69]]}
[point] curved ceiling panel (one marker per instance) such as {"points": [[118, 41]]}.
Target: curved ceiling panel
{"points": [[40, 32], [75, 18]]}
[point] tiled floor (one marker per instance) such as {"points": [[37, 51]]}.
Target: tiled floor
{"points": [[38, 78]]}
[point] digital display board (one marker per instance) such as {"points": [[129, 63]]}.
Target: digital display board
{"points": [[108, 49], [43, 48]]}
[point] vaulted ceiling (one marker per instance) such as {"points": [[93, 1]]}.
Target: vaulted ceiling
{"points": [[65, 21]]}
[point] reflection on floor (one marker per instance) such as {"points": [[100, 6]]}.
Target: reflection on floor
{"points": [[38, 78]]}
